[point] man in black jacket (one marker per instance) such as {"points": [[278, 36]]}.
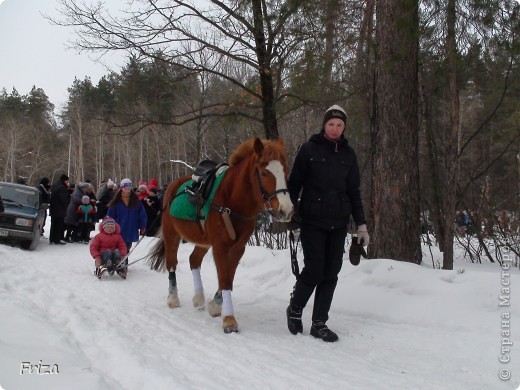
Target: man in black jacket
{"points": [[324, 183], [59, 202]]}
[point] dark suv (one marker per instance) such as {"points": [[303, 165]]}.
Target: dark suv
{"points": [[23, 215]]}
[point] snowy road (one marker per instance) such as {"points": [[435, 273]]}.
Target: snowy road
{"points": [[400, 326]]}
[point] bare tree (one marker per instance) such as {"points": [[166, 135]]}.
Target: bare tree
{"points": [[252, 33]]}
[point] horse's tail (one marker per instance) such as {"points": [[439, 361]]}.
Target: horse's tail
{"points": [[157, 257]]}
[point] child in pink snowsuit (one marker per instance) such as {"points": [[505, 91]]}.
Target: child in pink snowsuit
{"points": [[108, 248]]}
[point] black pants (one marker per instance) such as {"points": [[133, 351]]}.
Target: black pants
{"points": [[72, 232], [57, 229], [323, 257], [44, 219], [84, 229]]}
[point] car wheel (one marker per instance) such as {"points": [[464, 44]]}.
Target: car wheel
{"points": [[33, 243]]}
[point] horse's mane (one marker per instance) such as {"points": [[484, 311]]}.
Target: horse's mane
{"points": [[272, 151]]}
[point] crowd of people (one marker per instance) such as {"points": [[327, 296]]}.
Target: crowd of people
{"points": [[125, 211], [470, 222]]}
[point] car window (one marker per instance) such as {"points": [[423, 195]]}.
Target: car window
{"points": [[23, 196]]}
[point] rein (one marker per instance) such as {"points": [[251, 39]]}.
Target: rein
{"points": [[293, 249]]}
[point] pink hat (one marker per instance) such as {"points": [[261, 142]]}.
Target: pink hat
{"points": [[107, 222]]}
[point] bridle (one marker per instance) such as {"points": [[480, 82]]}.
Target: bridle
{"points": [[267, 196]]}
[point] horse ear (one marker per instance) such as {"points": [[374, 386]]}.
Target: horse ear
{"points": [[258, 146], [280, 142]]}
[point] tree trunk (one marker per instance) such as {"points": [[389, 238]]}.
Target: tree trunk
{"points": [[452, 164], [364, 43], [432, 168], [395, 186], [332, 12], [265, 73]]}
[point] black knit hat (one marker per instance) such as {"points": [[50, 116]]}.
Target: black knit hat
{"points": [[334, 111], [64, 177]]}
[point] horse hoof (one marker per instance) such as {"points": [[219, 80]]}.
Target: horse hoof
{"points": [[214, 309], [230, 330], [199, 300], [229, 324], [173, 301]]}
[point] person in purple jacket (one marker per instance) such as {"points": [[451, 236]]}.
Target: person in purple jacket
{"points": [[129, 213]]}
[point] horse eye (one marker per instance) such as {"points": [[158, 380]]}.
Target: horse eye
{"points": [[264, 173]]}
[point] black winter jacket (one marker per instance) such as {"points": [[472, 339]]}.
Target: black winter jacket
{"points": [[45, 195], [327, 175], [60, 198]]}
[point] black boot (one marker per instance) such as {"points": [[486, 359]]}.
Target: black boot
{"points": [[321, 331], [294, 319]]}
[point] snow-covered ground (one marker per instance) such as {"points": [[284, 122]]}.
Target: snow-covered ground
{"points": [[401, 326]]}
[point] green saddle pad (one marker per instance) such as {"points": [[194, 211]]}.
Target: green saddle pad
{"points": [[182, 207]]}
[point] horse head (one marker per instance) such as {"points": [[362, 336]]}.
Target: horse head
{"points": [[271, 173]]}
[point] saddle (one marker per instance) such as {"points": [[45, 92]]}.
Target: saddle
{"points": [[203, 180]]}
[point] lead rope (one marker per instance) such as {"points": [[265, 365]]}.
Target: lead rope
{"points": [[122, 264], [293, 248]]}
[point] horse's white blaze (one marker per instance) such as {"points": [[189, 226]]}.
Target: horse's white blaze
{"points": [[227, 303], [285, 208]]}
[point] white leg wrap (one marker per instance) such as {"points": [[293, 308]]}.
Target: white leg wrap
{"points": [[227, 303], [197, 281]]}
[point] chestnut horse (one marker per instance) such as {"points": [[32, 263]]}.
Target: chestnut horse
{"points": [[255, 179]]}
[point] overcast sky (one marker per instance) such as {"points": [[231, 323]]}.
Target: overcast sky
{"points": [[34, 52]]}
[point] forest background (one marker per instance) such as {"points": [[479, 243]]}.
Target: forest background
{"points": [[431, 89]]}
